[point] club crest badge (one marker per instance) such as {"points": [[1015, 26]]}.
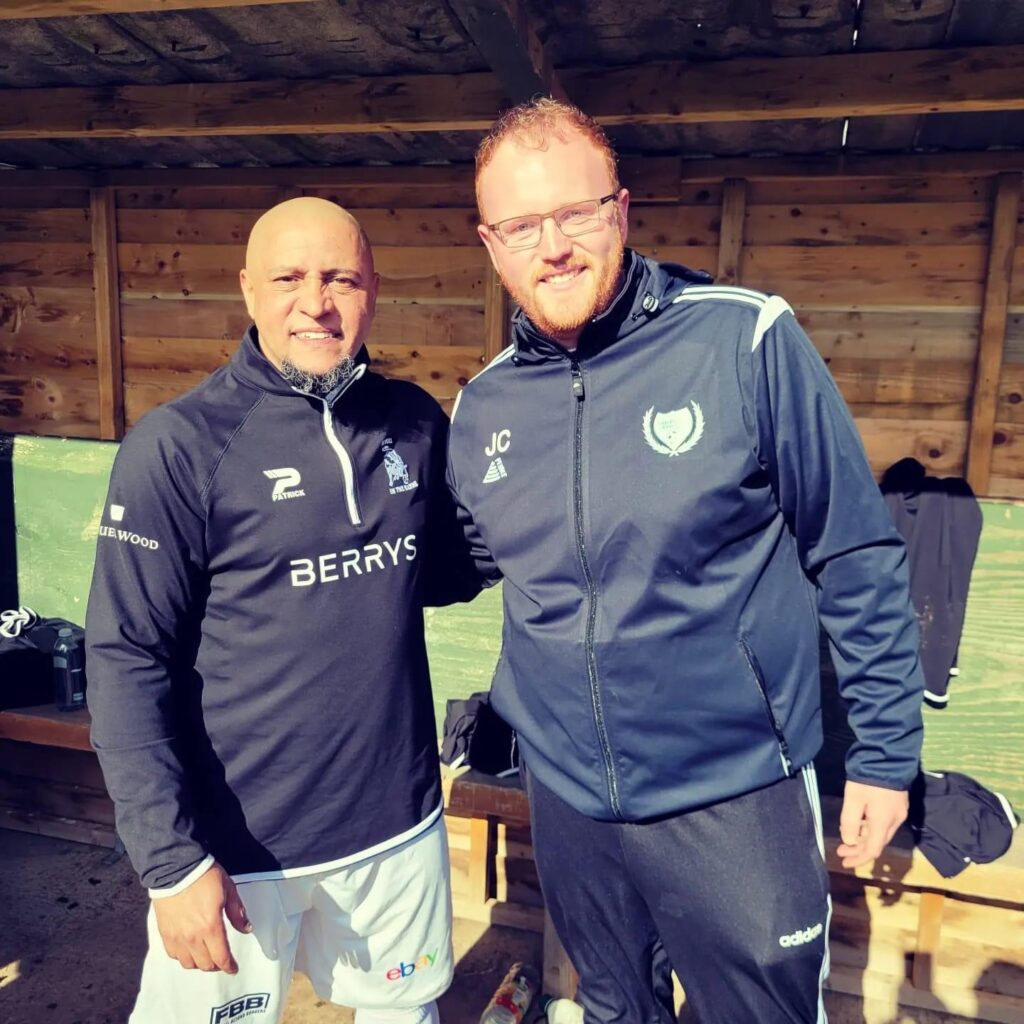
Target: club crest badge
{"points": [[675, 432]]}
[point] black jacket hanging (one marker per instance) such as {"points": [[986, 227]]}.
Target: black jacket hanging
{"points": [[940, 519]]}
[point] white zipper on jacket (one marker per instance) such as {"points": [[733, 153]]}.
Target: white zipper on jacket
{"points": [[348, 473]]}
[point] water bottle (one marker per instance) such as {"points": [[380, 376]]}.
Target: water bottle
{"points": [[561, 1011], [68, 671], [513, 996]]}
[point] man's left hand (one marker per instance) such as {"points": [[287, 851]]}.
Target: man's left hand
{"points": [[869, 819]]}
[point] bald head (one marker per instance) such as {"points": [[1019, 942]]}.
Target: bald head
{"points": [[300, 215], [309, 284]]}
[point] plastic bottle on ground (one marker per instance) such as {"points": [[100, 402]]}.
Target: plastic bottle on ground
{"points": [[513, 996], [561, 1011]]}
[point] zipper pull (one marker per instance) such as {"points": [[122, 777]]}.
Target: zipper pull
{"points": [[577, 383]]}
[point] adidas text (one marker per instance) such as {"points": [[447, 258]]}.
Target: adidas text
{"points": [[799, 938]]}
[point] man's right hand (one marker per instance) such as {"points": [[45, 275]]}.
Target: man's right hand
{"points": [[191, 922]]}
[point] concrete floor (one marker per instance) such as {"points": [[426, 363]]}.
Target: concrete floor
{"points": [[72, 939]]}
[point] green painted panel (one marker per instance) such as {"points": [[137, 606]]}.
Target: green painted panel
{"points": [[981, 731], [59, 489], [60, 486]]}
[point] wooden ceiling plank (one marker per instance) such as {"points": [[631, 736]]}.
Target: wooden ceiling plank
{"points": [[992, 341], [961, 80], [11, 10], [503, 32], [845, 85]]}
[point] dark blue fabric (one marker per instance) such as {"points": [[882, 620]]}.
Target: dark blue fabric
{"points": [[678, 502], [257, 666], [733, 897]]}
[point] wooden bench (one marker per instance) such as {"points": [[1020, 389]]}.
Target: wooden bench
{"points": [[50, 780], [901, 934]]}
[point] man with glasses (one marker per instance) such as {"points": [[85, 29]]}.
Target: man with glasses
{"points": [[667, 478]]}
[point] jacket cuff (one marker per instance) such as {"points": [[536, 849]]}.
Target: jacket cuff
{"points": [[193, 876]]}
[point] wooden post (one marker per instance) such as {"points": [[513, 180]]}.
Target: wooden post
{"points": [[929, 929], [992, 337], [496, 315], [560, 978], [482, 843], [730, 235], [108, 313]]}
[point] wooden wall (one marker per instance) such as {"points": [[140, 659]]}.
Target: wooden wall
{"points": [[895, 277]]}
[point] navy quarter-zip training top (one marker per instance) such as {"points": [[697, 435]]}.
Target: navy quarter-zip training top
{"points": [[257, 670], [674, 506]]}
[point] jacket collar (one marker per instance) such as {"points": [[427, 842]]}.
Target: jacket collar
{"points": [[647, 289], [251, 365]]}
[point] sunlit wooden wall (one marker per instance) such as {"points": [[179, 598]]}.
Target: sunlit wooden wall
{"points": [[897, 279]]}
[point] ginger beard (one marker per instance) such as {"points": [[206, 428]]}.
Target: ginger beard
{"points": [[561, 312]]}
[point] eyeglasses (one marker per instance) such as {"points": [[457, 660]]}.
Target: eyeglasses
{"points": [[574, 219]]}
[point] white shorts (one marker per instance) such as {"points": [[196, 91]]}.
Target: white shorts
{"points": [[374, 935]]}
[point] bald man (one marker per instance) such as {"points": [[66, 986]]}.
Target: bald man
{"points": [[257, 671]]}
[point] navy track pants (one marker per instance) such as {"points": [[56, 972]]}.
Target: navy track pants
{"points": [[733, 897]]}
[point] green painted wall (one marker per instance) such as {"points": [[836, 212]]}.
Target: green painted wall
{"points": [[59, 489], [60, 486]]}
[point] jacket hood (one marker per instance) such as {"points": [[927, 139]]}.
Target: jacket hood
{"points": [[647, 289], [250, 364]]}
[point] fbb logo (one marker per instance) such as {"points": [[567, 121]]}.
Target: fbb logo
{"points": [[403, 970], [237, 1009]]}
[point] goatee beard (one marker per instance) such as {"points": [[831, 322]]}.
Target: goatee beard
{"points": [[319, 384]]}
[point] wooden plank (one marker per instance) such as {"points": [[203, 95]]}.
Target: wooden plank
{"points": [[395, 323], [48, 726], [923, 336], [911, 224], [108, 314], [730, 243], [56, 764], [452, 275], [503, 33], [940, 445], [19, 193], [866, 276], [89, 832], [49, 264], [732, 91], [929, 931], [481, 859], [45, 225], [440, 369], [422, 227], [57, 322], [51, 403], [993, 331], [559, 978], [1011, 394], [842, 190], [10, 9], [384, 103], [791, 88], [60, 799], [902, 381], [497, 316], [1008, 450], [691, 225]]}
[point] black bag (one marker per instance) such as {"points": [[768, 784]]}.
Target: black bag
{"points": [[26, 656], [475, 734]]}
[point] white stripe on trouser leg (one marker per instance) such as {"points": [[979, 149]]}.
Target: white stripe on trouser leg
{"points": [[169, 994], [810, 778], [416, 1015]]}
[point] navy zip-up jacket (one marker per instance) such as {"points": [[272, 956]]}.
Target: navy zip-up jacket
{"points": [[257, 670], [674, 507]]}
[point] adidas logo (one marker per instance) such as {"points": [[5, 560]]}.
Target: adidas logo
{"points": [[495, 471], [798, 938]]}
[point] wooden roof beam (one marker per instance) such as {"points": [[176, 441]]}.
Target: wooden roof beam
{"points": [[503, 33], [854, 85], [11, 10]]}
